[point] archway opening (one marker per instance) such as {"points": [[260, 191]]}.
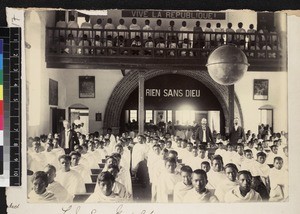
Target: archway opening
{"points": [[174, 99]]}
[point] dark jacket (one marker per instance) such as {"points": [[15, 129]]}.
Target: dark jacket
{"points": [[199, 135], [73, 140]]}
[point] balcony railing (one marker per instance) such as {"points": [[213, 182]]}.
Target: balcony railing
{"points": [[155, 45]]}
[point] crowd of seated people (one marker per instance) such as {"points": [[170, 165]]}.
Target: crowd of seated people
{"points": [[177, 168], [134, 39]]}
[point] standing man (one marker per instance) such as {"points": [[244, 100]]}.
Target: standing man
{"points": [[68, 138], [237, 133], [203, 133]]}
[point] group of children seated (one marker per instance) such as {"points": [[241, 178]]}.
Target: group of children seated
{"points": [[136, 40], [176, 169]]}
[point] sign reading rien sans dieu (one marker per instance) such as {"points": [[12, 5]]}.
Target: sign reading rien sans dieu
{"points": [[174, 14], [172, 93]]}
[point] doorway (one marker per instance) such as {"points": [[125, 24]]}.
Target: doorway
{"points": [[57, 116]]}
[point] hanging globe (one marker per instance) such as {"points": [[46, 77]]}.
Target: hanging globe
{"points": [[227, 64]]}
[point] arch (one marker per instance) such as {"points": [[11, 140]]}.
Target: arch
{"points": [[130, 82], [79, 106]]}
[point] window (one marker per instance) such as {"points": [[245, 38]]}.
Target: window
{"points": [[169, 116], [185, 117], [149, 116], [133, 115]]}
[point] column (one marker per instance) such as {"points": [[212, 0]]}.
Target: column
{"points": [[231, 105], [141, 113]]}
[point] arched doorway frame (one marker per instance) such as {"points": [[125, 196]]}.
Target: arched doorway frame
{"points": [[129, 83]]}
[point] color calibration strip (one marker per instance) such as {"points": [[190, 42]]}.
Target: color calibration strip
{"points": [[1, 107], [11, 91]]}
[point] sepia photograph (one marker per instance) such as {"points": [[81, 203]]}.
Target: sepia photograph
{"points": [[185, 97]]}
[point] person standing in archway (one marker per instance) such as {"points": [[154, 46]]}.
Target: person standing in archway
{"points": [[203, 133], [237, 133]]}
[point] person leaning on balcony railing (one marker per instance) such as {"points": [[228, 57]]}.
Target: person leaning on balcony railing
{"points": [[198, 35], [147, 28], [263, 35], [72, 24], [239, 37], [83, 45], [172, 34], [172, 45], [122, 26], [219, 37], [109, 26], [149, 44], [209, 38], [98, 43], [230, 33], [120, 42], [109, 43], [183, 35], [134, 27], [157, 35], [160, 46], [61, 24], [186, 46], [70, 45], [86, 25], [251, 38], [136, 44], [98, 27]]}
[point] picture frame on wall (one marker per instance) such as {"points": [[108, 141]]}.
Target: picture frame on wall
{"points": [[53, 92], [86, 86], [261, 89]]}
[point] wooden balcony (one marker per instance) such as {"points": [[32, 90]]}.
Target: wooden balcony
{"points": [[124, 49]]}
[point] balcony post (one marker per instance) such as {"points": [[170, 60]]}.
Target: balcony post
{"points": [[141, 110]]}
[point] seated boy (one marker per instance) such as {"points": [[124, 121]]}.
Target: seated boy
{"points": [[248, 161], [84, 171], [278, 181], [39, 192], [260, 172], [272, 154], [243, 191], [216, 175], [69, 178], [202, 154], [167, 181], [182, 187], [229, 183], [199, 193], [55, 187], [105, 181], [193, 160]]}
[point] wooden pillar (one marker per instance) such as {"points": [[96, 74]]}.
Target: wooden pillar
{"points": [[173, 116], [231, 105], [141, 113]]}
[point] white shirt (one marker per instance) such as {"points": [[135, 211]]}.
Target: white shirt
{"points": [[67, 135]]}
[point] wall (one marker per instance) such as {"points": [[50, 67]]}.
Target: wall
{"points": [[105, 82], [37, 76], [277, 99]]}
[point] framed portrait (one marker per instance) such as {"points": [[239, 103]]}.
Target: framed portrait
{"points": [[261, 89], [86, 86], [53, 92], [98, 117]]}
